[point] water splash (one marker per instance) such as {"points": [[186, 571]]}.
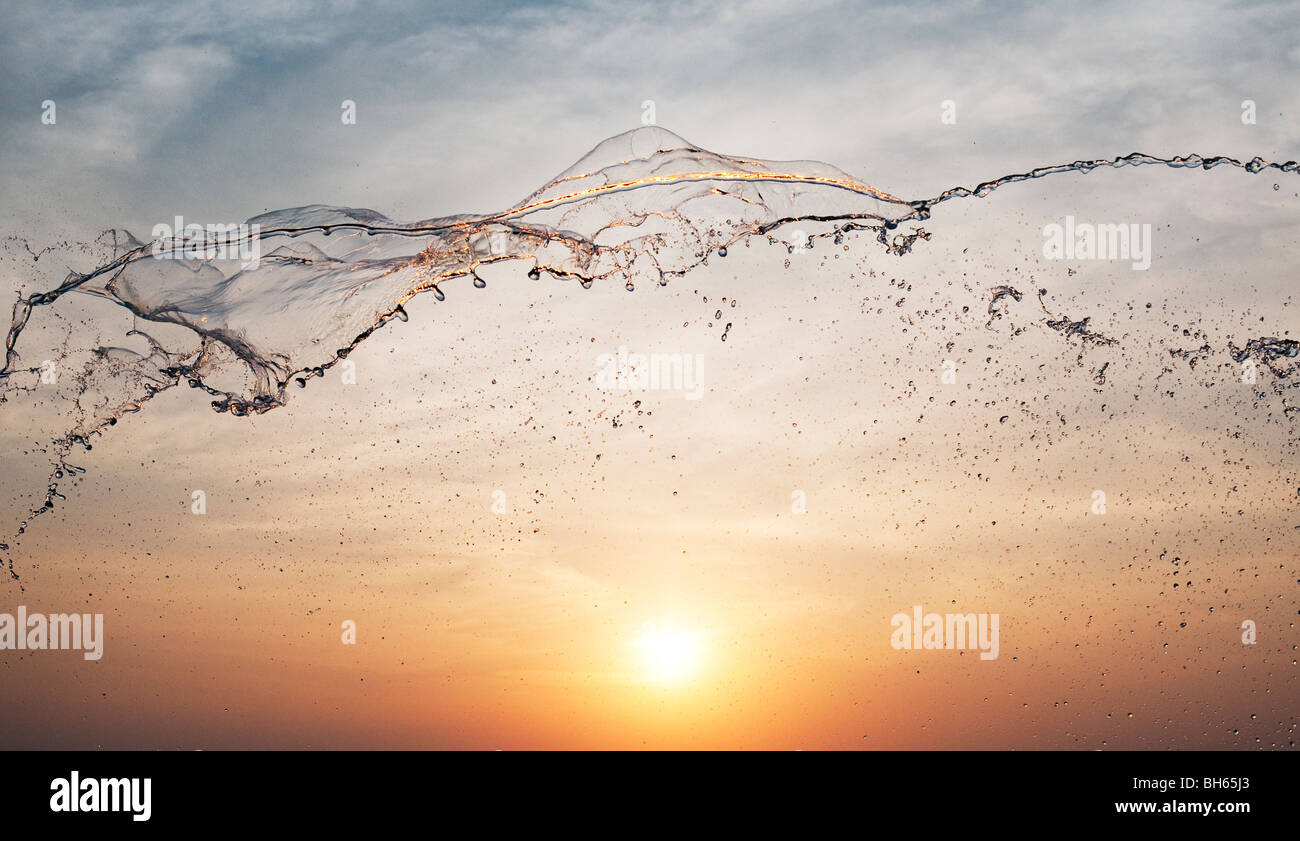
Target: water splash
{"points": [[642, 207]]}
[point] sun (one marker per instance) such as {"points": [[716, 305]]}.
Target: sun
{"points": [[667, 655]]}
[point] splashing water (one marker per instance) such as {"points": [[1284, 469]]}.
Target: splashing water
{"points": [[642, 207]]}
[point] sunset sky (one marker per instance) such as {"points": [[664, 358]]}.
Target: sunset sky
{"points": [[650, 582]]}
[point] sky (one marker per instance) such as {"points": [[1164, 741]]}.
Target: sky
{"points": [[671, 523], [228, 109]]}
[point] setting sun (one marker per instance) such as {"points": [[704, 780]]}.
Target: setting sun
{"points": [[667, 654]]}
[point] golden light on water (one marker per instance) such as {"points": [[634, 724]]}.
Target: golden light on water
{"points": [[683, 177]]}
